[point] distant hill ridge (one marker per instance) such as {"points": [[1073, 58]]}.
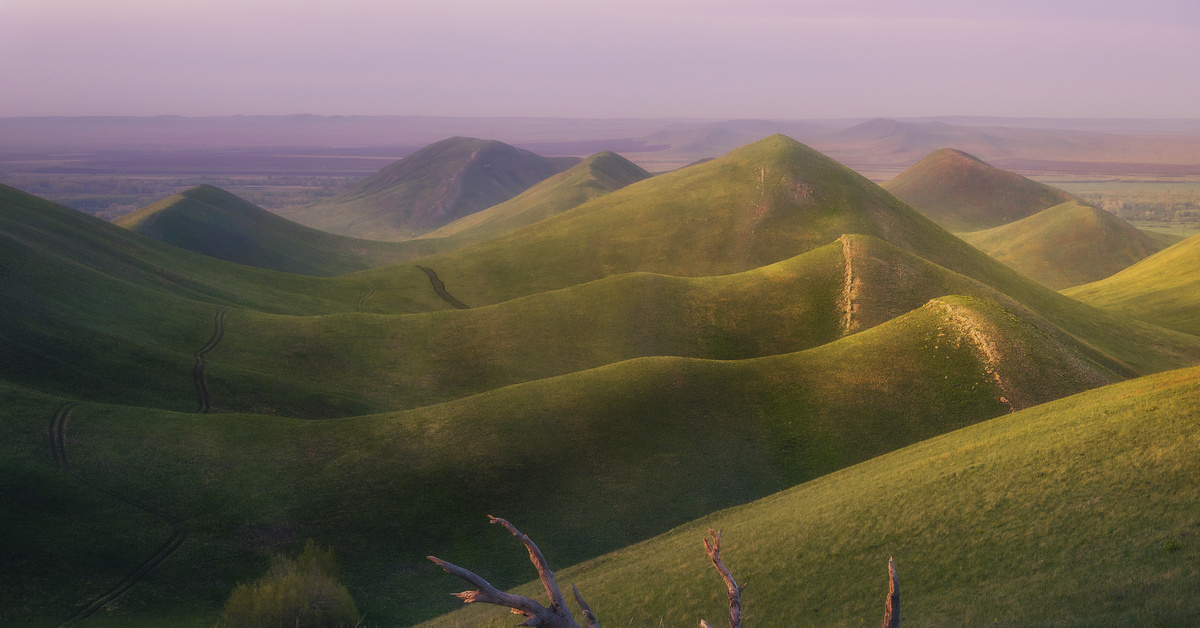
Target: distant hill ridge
{"points": [[964, 193], [432, 187]]}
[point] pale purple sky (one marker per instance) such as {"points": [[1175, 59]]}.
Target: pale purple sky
{"points": [[602, 58]]}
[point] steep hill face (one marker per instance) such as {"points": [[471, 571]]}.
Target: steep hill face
{"points": [[1067, 245], [211, 221], [428, 189], [1081, 497], [1163, 289], [963, 193]]}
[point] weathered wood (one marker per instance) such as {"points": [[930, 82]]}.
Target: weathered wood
{"points": [[556, 616], [891, 609], [733, 590]]}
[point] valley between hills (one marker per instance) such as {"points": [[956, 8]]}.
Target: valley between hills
{"points": [[980, 375]]}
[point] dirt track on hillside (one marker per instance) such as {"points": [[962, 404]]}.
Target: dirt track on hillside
{"points": [[58, 445]]}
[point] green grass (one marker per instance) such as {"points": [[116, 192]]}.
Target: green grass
{"points": [[214, 222], [428, 189], [571, 453], [963, 193], [1080, 512], [1162, 289], [1067, 245]]}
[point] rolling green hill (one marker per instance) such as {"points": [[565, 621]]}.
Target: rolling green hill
{"points": [[760, 204], [571, 451], [729, 329], [209, 220], [1163, 289], [963, 193], [428, 189], [1066, 245], [1079, 512]]}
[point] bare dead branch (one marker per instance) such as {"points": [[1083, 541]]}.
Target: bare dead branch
{"points": [[539, 561], [587, 610], [733, 590], [556, 616], [891, 609]]}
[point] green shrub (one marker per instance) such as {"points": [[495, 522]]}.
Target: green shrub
{"points": [[303, 592]]}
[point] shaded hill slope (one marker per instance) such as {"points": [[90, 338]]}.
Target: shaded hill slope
{"points": [[1066, 245], [211, 221], [386, 490], [95, 311], [1077, 512], [430, 188], [1163, 289], [964, 193]]}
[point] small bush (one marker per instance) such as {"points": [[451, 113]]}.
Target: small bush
{"points": [[296, 593]]}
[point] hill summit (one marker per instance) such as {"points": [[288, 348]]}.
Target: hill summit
{"points": [[212, 221], [964, 193], [432, 187]]}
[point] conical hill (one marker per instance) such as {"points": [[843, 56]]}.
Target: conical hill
{"points": [[430, 188], [963, 193]]}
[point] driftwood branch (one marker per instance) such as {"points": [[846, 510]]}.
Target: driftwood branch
{"points": [[891, 609], [733, 589], [556, 616]]}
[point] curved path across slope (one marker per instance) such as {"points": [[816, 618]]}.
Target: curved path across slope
{"points": [[202, 398], [440, 289], [58, 446], [362, 303]]}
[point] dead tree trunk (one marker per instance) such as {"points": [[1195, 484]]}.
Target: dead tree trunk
{"points": [[733, 590], [891, 609], [556, 616]]}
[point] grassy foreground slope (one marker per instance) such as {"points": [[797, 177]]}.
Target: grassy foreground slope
{"points": [[209, 220], [430, 188], [1163, 289], [1079, 512], [572, 452], [1067, 245], [964, 193]]}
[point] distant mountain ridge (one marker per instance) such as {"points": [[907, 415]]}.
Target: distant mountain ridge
{"points": [[432, 187]]}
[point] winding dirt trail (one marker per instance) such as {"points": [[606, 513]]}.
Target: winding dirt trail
{"points": [[362, 303], [440, 289], [202, 397], [58, 446]]}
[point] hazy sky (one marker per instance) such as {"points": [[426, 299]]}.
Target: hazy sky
{"points": [[602, 58]]}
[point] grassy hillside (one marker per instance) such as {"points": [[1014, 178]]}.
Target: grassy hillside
{"points": [[209, 220], [758, 205], [98, 312], [430, 188], [284, 364], [1066, 245], [963, 193], [1163, 289], [1080, 512], [385, 490]]}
